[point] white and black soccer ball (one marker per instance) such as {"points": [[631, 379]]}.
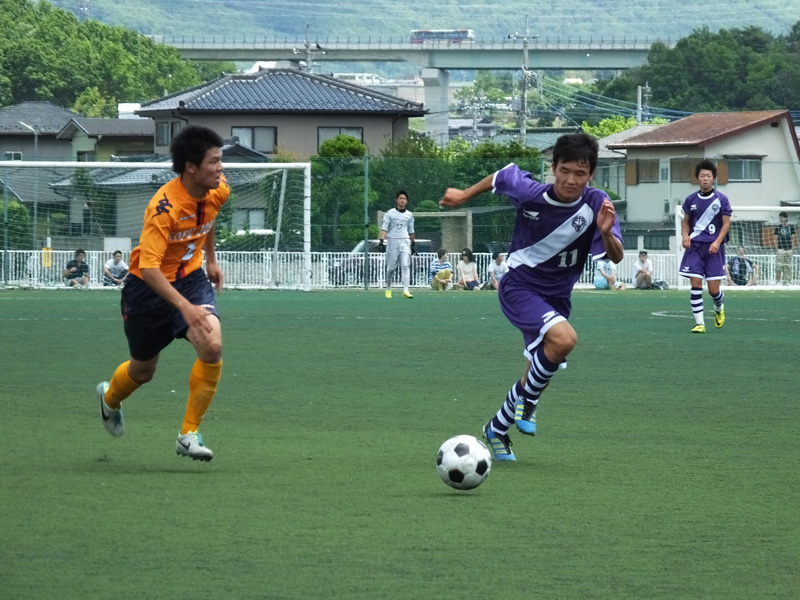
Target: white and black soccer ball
{"points": [[463, 462]]}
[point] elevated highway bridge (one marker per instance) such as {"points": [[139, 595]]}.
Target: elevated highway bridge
{"points": [[599, 53], [436, 58]]}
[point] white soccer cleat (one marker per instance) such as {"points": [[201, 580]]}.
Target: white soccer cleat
{"points": [[191, 444], [112, 419]]}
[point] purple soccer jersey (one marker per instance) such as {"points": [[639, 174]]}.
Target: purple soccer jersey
{"points": [[551, 239], [705, 215], [705, 221]]}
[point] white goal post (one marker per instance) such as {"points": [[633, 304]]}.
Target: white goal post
{"points": [[263, 232], [756, 230]]}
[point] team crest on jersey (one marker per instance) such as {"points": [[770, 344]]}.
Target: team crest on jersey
{"points": [[579, 223], [163, 206], [715, 208]]}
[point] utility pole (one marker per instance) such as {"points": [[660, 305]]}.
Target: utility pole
{"points": [[523, 109], [310, 51]]}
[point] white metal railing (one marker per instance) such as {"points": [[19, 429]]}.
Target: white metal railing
{"points": [[37, 268]]}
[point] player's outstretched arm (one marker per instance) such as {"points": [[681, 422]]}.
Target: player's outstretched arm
{"points": [[456, 197]]}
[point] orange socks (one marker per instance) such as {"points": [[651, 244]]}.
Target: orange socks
{"points": [[120, 387], [202, 387]]}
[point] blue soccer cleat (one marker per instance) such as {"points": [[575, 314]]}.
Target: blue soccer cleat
{"points": [[499, 444], [525, 417]]}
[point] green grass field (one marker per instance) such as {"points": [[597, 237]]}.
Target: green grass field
{"points": [[666, 465]]}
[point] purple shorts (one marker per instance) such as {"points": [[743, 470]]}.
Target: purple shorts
{"points": [[699, 262], [530, 312]]}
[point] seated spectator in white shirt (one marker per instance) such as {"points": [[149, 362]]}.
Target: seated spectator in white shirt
{"points": [[497, 268], [643, 272], [114, 270]]}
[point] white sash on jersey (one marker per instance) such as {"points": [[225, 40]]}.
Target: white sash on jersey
{"points": [[706, 218], [555, 242]]}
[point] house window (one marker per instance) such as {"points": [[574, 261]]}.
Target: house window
{"points": [[681, 170], [647, 170], [175, 128], [249, 219], [630, 241], [261, 139], [328, 133], [86, 156], [12, 155], [162, 133], [744, 169], [656, 241]]}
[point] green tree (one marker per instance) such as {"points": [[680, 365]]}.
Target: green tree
{"points": [[338, 180], [609, 126], [47, 54], [733, 69], [20, 227], [91, 103]]}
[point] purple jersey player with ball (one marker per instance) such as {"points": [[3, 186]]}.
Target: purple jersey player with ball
{"points": [[706, 220], [557, 226]]}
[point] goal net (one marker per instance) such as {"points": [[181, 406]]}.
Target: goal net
{"points": [[769, 243], [50, 209]]}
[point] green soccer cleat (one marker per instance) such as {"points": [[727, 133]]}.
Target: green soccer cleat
{"points": [[499, 444], [719, 318], [699, 329]]}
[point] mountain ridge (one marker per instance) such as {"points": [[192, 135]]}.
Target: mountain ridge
{"points": [[565, 19]]}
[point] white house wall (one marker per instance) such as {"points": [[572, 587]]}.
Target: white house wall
{"points": [[779, 181], [297, 134], [646, 201]]}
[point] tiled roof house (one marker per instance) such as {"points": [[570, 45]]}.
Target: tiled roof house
{"points": [[100, 139], [283, 110], [39, 139], [756, 153]]}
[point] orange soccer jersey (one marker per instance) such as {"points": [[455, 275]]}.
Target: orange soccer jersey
{"points": [[175, 229]]}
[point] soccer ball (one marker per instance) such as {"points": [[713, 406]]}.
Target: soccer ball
{"points": [[463, 462]]}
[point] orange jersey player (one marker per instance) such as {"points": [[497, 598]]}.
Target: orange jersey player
{"points": [[176, 227], [167, 294]]}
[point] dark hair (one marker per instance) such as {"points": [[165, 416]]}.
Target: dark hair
{"points": [[576, 147], [117, 252], [469, 254], [705, 165], [643, 252], [191, 145], [495, 254], [783, 213], [401, 193], [80, 251], [441, 252]]}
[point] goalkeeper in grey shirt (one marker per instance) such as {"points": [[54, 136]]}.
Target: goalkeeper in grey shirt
{"points": [[397, 240]]}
